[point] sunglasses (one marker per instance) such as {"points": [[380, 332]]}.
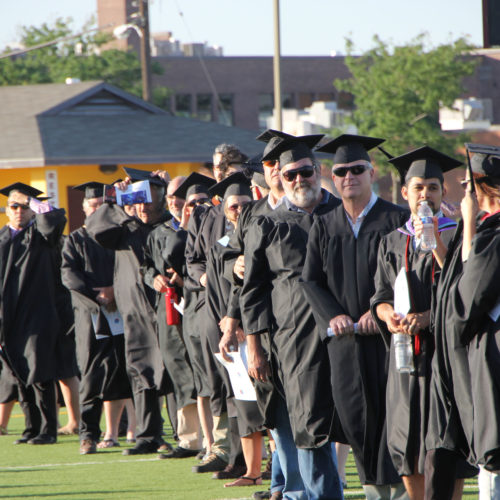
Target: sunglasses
{"points": [[305, 172], [236, 206], [15, 206], [193, 203], [270, 163], [355, 170]]}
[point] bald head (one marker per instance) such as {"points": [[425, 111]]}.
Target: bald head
{"points": [[175, 204]]}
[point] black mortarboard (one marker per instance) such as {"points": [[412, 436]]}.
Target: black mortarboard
{"points": [[143, 175], [236, 184], [268, 134], [424, 162], [91, 189], [22, 188], [486, 159], [195, 183], [291, 149], [255, 170], [348, 148]]}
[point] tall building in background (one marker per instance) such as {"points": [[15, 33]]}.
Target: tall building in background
{"points": [[491, 23], [118, 12]]}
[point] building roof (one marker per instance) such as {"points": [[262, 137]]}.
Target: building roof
{"points": [[95, 122]]}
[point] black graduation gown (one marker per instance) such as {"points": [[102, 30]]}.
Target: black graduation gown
{"points": [[338, 279], [407, 395], [29, 320], [87, 265], [475, 294], [115, 230], [272, 301], [212, 228], [67, 365], [445, 428], [173, 350]]}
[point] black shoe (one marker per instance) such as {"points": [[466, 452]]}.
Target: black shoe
{"points": [[212, 463], [142, 448], [22, 440], [230, 472], [42, 439], [261, 495], [179, 452]]}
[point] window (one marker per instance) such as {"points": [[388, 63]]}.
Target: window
{"points": [[266, 104], [204, 107], [225, 109], [183, 105]]}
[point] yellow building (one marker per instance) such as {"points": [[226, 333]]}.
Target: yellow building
{"points": [[55, 136]]}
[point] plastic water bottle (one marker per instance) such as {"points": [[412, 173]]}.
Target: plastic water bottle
{"points": [[428, 240], [403, 351]]}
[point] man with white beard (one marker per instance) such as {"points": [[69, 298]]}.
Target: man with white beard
{"points": [[285, 355]]}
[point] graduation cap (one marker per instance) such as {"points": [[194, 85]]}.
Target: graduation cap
{"points": [[234, 185], [22, 188], [486, 159], [255, 170], [424, 162], [195, 183], [91, 189], [348, 148], [268, 134], [291, 149], [144, 175]]}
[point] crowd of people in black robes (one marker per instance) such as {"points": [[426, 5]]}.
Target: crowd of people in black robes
{"points": [[356, 334]]}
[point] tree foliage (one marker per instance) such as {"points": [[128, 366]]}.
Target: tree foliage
{"points": [[79, 57], [398, 91]]}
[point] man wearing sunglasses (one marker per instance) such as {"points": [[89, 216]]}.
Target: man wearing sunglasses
{"points": [[285, 355], [338, 279], [29, 315]]}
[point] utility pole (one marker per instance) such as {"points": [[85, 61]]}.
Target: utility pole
{"points": [[145, 49], [277, 67]]}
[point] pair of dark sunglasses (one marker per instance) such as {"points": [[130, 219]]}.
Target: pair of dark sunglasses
{"points": [[237, 206], [193, 203], [15, 206], [305, 172], [355, 170], [270, 163]]}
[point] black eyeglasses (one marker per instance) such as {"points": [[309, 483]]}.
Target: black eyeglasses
{"points": [[355, 170], [200, 201], [305, 172], [15, 206]]}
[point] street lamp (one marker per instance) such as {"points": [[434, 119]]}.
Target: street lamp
{"points": [[141, 27]]}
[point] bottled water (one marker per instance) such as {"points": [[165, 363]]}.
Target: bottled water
{"points": [[403, 351], [428, 240]]}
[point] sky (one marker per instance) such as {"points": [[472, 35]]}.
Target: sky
{"points": [[245, 27]]}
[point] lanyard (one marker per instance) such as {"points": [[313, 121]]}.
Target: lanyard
{"points": [[418, 337]]}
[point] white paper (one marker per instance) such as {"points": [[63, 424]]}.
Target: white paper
{"points": [[115, 322], [494, 314], [329, 331], [401, 294], [238, 373], [180, 306], [138, 192], [224, 241]]}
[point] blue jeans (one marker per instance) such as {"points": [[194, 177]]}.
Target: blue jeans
{"points": [[309, 473], [277, 477]]}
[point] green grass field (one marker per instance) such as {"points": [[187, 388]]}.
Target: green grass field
{"points": [[60, 472]]}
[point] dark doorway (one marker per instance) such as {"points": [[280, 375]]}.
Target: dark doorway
{"points": [[75, 212]]}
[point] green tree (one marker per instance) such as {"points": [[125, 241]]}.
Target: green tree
{"points": [[398, 91], [76, 57]]}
